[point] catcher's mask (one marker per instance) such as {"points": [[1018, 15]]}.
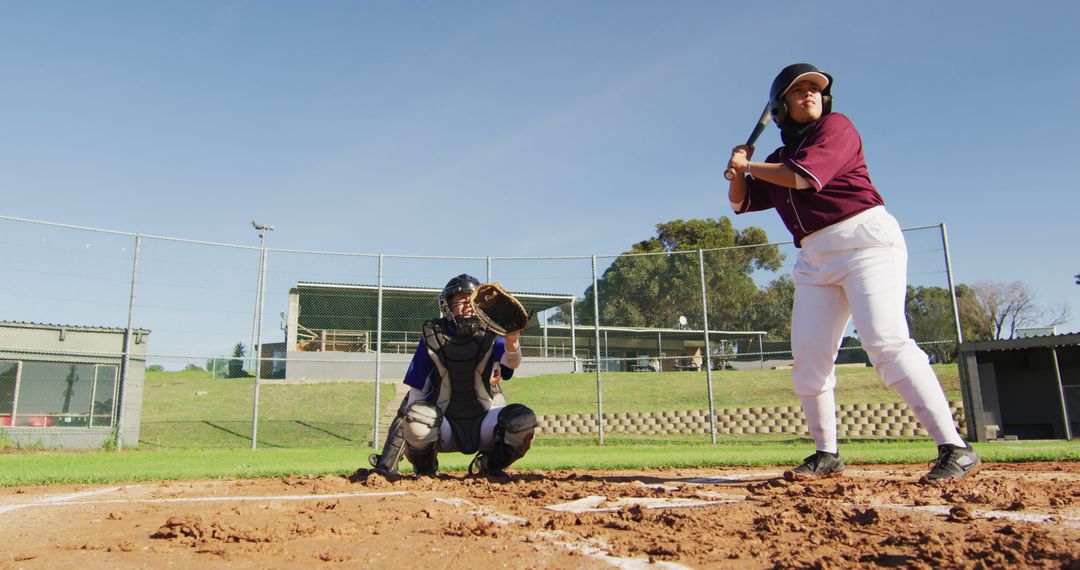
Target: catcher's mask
{"points": [[464, 283], [788, 77]]}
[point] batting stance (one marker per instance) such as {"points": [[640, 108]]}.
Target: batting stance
{"points": [[453, 402], [852, 263]]}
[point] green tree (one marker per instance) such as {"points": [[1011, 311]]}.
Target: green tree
{"points": [[929, 312], [236, 365], [659, 279], [772, 309]]}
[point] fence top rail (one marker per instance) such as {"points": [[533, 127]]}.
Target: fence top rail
{"points": [[397, 256], [651, 330]]}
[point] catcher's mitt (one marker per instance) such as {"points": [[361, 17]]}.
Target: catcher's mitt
{"points": [[500, 312]]}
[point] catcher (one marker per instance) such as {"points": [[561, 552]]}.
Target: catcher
{"points": [[454, 402]]}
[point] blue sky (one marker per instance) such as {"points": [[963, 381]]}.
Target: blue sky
{"points": [[547, 128]]}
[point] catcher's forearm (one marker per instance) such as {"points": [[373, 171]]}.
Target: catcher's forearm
{"points": [[511, 359]]}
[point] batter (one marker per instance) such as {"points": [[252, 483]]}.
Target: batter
{"points": [[852, 263]]}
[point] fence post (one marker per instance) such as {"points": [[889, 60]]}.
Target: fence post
{"points": [[761, 350], [1061, 393], [599, 376], [262, 309], [256, 339], [378, 355], [489, 269], [961, 365], [573, 336], [708, 348], [952, 288], [125, 362]]}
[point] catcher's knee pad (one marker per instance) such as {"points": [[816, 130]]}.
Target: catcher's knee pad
{"points": [[422, 423], [513, 436], [516, 425]]}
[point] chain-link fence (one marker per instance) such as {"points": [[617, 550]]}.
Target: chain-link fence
{"points": [[118, 339]]}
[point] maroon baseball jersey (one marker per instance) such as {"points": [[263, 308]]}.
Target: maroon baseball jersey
{"points": [[830, 158]]}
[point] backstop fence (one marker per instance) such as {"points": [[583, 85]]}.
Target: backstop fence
{"points": [[111, 338]]}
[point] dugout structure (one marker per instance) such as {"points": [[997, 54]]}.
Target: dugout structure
{"points": [[1023, 388], [67, 386], [331, 331]]}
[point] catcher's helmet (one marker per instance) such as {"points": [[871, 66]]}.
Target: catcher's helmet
{"points": [[787, 77], [463, 283]]}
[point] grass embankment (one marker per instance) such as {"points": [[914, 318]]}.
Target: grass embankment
{"points": [[189, 410], [651, 391]]}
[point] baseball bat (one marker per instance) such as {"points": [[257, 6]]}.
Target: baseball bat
{"points": [[759, 128]]}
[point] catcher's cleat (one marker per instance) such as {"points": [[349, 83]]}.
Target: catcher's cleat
{"points": [[481, 465], [953, 462], [820, 464], [383, 470]]}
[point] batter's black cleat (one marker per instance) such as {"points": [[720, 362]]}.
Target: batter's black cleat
{"points": [[953, 462], [820, 464]]}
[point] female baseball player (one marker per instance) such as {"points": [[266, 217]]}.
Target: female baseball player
{"points": [[852, 263], [454, 403]]}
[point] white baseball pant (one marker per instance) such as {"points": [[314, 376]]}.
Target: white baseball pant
{"points": [[857, 268]]}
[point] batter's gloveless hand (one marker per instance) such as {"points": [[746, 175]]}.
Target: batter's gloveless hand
{"points": [[740, 158]]}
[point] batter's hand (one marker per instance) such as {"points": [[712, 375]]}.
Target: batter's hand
{"points": [[740, 158]]}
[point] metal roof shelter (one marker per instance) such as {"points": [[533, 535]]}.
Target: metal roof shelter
{"points": [[1023, 388], [317, 307], [352, 307]]}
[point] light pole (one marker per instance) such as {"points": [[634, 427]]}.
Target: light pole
{"points": [[256, 326]]}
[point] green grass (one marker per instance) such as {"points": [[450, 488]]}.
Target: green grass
{"points": [[197, 428], [189, 410], [43, 468], [645, 391]]}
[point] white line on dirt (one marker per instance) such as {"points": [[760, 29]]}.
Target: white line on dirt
{"points": [[487, 513], [59, 502], [592, 548], [1008, 515], [736, 478], [740, 477], [598, 504], [59, 499], [596, 549]]}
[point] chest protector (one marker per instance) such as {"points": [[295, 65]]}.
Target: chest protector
{"points": [[462, 391]]}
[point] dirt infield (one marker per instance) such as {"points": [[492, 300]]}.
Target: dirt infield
{"points": [[1006, 515]]}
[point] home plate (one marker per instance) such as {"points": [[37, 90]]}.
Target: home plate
{"points": [[598, 504]]}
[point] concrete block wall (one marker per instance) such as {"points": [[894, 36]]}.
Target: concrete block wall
{"points": [[879, 420]]}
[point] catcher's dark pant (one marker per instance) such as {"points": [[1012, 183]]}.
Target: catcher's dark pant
{"points": [[505, 431]]}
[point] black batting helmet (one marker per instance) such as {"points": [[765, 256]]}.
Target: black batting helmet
{"points": [[788, 77]]}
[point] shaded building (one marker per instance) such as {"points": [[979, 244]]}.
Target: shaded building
{"points": [[67, 385]]}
